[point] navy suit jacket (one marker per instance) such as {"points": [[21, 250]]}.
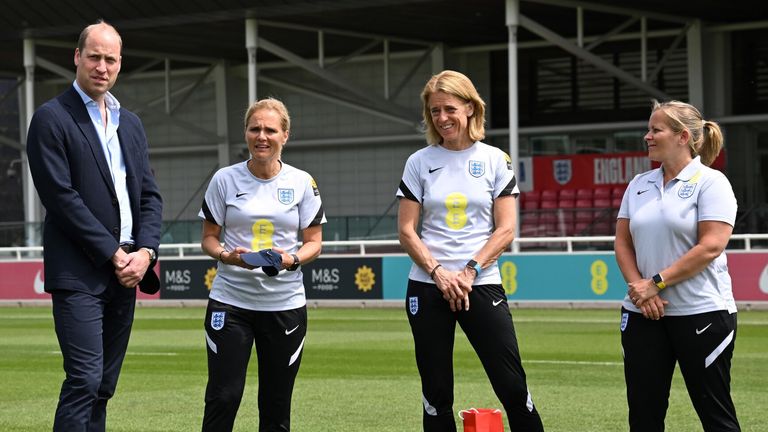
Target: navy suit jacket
{"points": [[81, 232]]}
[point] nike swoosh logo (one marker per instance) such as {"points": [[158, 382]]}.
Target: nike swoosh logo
{"points": [[287, 332], [38, 284], [240, 194], [431, 170], [497, 302], [698, 332], [642, 191]]}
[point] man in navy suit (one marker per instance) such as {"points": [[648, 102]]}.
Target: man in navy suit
{"points": [[90, 164]]}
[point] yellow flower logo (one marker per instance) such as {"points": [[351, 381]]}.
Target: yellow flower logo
{"points": [[209, 276], [365, 278]]}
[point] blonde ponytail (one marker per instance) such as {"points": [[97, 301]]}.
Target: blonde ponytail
{"points": [[706, 136]]}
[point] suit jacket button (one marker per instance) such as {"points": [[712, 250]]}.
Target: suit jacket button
{"points": [[114, 202], [115, 230]]}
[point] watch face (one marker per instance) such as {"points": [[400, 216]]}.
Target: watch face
{"points": [[152, 254]]}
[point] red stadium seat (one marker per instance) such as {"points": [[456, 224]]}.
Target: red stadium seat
{"points": [[602, 224], [584, 194], [582, 228], [566, 203], [618, 192], [568, 194], [548, 212], [601, 193], [529, 228], [528, 219], [584, 211], [532, 195], [601, 204], [529, 205], [549, 195]]}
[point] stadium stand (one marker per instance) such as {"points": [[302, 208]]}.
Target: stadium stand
{"points": [[570, 212]]}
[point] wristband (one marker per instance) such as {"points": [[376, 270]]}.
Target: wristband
{"points": [[434, 269], [659, 282], [474, 266], [222, 251]]}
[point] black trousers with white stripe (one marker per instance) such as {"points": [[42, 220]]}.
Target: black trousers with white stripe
{"points": [[279, 339], [701, 344], [489, 328]]}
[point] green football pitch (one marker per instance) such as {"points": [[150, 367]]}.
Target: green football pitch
{"points": [[358, 373]]}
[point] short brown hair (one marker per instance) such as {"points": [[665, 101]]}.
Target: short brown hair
{"points": [[86, 31]]}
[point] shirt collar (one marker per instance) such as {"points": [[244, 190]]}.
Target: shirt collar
{"points": [[686, 174], [111, 101], [690, 170]]}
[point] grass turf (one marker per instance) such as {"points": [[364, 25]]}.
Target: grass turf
{"points": [[358, 373]]}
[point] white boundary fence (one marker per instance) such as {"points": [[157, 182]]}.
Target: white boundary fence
{"points": [[739, 243]]}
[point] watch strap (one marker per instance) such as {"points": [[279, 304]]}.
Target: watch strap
{"points": [[475, 266], [296, 263], [151, 252]]}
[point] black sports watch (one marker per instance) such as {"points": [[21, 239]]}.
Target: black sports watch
{"points": [[474, 266], [658, 281], [296, 263]]}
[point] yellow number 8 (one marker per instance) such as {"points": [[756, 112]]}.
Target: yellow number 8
{"points": [[262, 234], [456, 203]]}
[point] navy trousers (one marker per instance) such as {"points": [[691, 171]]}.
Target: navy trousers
{"points": [[93, 333]]}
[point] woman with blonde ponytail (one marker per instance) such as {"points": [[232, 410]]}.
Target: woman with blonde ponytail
{"points": [[672, 229]]}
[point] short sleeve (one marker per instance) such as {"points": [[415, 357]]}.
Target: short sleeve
{"points": [[410, 185], [716, 200], [311, 211], [214, 205], [505, 181]]}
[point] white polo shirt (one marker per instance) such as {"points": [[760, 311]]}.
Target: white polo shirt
{"points": [[663, 222]]}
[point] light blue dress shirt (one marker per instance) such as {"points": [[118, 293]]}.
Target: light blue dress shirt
{"points": [[111, 146]]}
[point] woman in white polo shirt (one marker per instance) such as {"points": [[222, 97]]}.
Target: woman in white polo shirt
{"points": [[464, 192], [673, 226]]}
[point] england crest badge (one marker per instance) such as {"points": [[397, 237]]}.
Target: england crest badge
{"points": [[686, 190], [217, 320], [624, 320], [562, 170], [285, 196], [476, 168], [413, 305]]}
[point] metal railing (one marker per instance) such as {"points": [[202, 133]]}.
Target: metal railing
{"points": [[739, 242]]}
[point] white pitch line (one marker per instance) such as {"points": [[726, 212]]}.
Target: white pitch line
{"points": [[575, 362], [165, 354]]}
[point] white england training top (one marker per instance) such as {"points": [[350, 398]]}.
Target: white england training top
{"points": [[261, 214], [456, 190], [664, 221]]}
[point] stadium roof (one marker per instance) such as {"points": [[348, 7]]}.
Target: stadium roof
{"points": [[214, 29]]}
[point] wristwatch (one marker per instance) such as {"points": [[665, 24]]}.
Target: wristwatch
{"points": [[151, 252], [296, 263], [659, 281], [474, 266]]}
